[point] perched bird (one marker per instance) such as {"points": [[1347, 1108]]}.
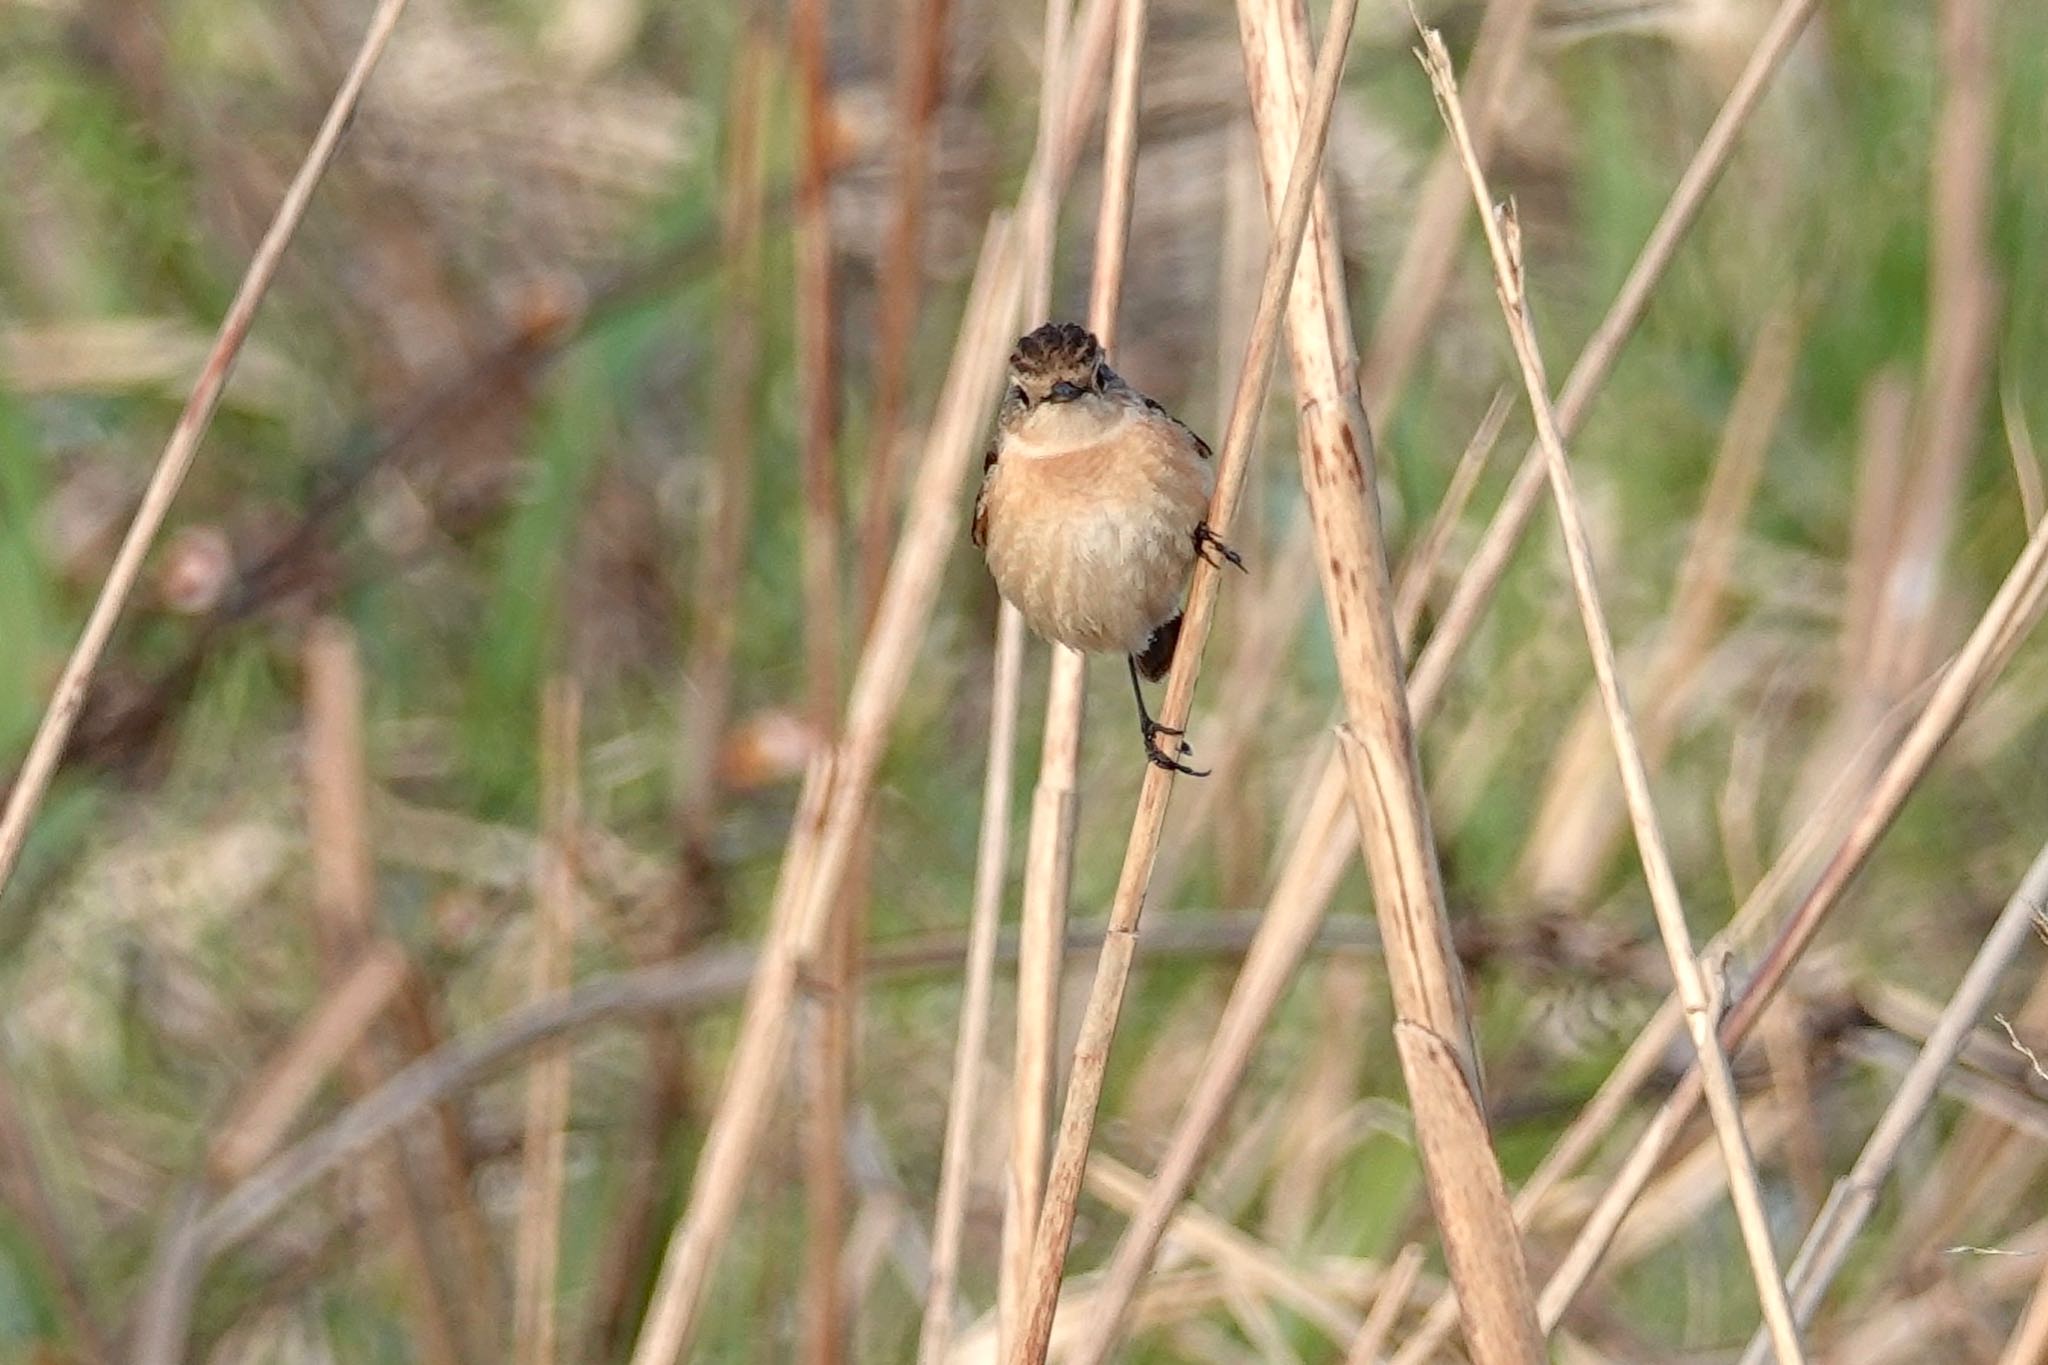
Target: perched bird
{"points": [[1091, 511]]}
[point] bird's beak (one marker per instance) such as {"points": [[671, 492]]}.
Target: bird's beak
{"points": [[1063, 392]]}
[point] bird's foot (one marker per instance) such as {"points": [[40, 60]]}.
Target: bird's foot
{"points": [[1159, 757], [1210, 546]]}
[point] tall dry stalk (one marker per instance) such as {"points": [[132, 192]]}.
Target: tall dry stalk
{"points": [[1293, 129], [1049, 844], [830, 1011], [32, 783], [837, 794], [1055, 807], [1503, 243], [543, 1152], [1849, 1205], [963, 1099], [1997, 634]]}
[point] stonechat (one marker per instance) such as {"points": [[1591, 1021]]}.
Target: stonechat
{"points": [[1091, 512]]}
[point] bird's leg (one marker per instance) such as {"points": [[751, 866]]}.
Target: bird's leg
{"points": [[1152, 729], [1210, 546]]}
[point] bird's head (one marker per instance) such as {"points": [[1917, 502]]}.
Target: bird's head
{"points": [[1058, 363]]}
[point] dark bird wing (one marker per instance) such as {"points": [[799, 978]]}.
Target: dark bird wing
{"points": [[978, 530]]}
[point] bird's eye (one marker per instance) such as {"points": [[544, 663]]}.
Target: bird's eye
{"points": [[1101, 377], [1019, 397]]}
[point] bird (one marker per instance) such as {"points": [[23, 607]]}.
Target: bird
{"points": [[1092, 511]]}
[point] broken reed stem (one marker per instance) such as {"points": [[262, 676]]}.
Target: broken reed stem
{"points": [[1849, 1204], [543, 1152], [1049, 843], [963, 1102], [1503, 242], [1098, 1025], [45, 751], [1432, 1027], [1983, 657]]}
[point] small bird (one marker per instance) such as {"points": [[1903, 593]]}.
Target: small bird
{"points": [[1091, 511]]}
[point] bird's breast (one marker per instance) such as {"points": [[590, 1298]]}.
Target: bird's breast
{"points": [[1094, 543]]}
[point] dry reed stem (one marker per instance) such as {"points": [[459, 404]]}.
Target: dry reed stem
{"points": [[1049, 844], [343, 920], [1597, 359], [963, 1100], [1982, 658], [54, 730], [273, 1101], [1394, 1291], [816, 862], [2026, 462], [1962, 311], [1579, 818], [827, 1011], [1503, 242], [543, 1152], [1854, 1196], [1419, 570], [1242, 1258], [1098, 1024], [1426, 686], [1432, 1028], [1288, 924], [700, 982]]}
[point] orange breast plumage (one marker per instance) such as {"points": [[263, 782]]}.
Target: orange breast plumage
{"points": [[1094, 541]]}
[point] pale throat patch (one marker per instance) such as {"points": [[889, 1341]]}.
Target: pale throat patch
{"points": [[1053, 429]]}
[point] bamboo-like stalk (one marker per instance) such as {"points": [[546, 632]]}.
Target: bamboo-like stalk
{"points": [[1293, 132], [1503, 243], [963, 1101], [828, 1013], [32, 783], [815, 863], [1049, 843], [1849, 1204], [543, 1152], [1289, 922], [1428, 682], [1990, 646], [1055, 808]]}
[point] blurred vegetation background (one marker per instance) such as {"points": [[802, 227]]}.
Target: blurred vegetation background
{"points": [[480, 421]]}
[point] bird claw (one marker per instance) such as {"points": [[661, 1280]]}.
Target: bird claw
{"points": [[1210, 547], [1160, 758]]}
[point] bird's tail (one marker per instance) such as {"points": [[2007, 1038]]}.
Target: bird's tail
{"points": [[1158, 655]]}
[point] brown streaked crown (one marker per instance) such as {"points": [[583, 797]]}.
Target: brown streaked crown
{"points": [[1059, 352]]}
